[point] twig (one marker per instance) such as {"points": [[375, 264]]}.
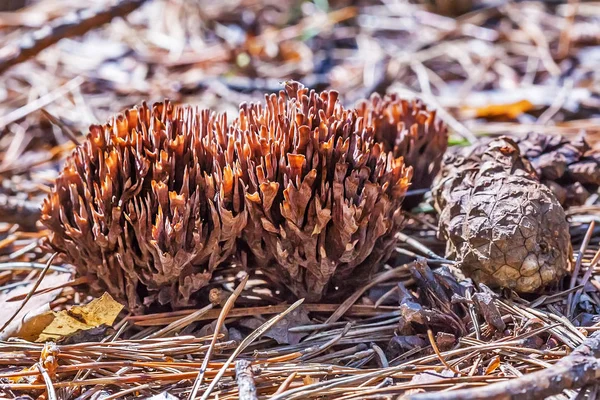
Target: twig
{"points": [[181, 323], [228, 306], [356, 295], [245, 343], [68, 26], [18, 211], [75, 282], [312, 352], [575, 274], [418, 245], [48, 381], [245, 380], [286, 384], [579, 369], [40, 102], [438, 354], [33, 289]]}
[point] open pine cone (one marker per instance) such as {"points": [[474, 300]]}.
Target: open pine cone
{"points": [[323, 197], [149, 205], [409, 130]]}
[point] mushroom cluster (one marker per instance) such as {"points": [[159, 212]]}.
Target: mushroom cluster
{"points": [[409, 130], [149, 205], [323, 197], [299, 187]]}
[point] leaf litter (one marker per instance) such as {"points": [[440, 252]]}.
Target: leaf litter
{"points": [[499, 69]]}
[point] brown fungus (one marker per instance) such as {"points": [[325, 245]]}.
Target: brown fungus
{"points": [[323, 197], [409, 130], [155, 200], [502, 225], [149, 205]]}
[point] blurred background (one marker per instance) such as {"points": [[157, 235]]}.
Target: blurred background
{"points": [[489, 67]]}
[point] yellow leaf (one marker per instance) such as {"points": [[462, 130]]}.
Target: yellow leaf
{"points": [[511, 110], [103, 310], [34, 326], [493, 365]]}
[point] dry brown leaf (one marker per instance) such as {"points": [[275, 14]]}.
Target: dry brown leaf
{"points": [[103, 310], [34, 323]]}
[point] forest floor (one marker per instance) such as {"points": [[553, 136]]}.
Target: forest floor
{"points": [[500, 68]]}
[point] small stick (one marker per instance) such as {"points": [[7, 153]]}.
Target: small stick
{"points": [[286, 384], [75, 282], [226, 308], [579, 369], [18, 211], [418, 245], [68, 26], [438, 354], [582, 249], [245, 380], [35, 286], [384, 276], [181, 323], [48, 381], [40, 102], [245, 343], [312, 352]]}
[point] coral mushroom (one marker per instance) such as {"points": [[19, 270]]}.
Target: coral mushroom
{"points": [[409, 130], [155, 200], [323, 197], [149, 205]]}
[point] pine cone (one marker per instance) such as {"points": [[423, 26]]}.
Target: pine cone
{"points": [[503, 226], [409, 130], [323, 198], [149, 205], [568, 167]]}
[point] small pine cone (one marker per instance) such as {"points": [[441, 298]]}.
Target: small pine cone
{"points": [[149, 205], [409, 130], [503, 226], [563, 163], [323, 198]]}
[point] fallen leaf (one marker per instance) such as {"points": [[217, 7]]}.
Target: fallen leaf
{"points": [[510, 110], [34, 323], [493, 365], [103, 310], [36, 302]]}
